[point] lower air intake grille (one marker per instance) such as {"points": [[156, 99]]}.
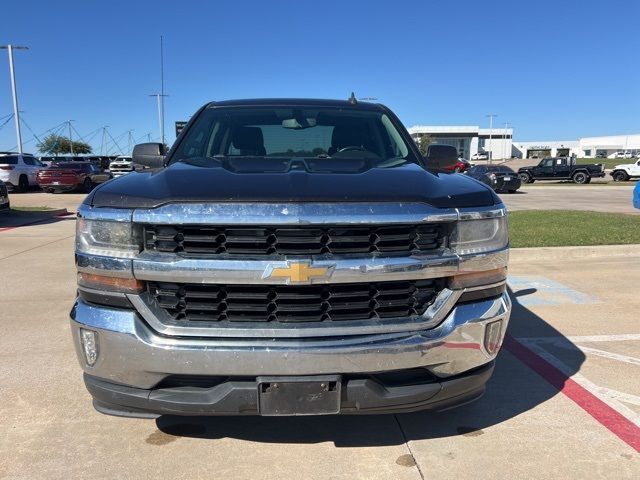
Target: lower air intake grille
{"points": [[307, 303]]}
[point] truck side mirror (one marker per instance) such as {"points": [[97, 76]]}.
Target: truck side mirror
{"points": [[440, 157], [149, 155]]}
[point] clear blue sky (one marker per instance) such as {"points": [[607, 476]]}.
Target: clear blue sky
{"points": [[555, 69]]}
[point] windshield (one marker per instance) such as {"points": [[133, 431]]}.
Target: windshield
{"points": [[266, 136]]}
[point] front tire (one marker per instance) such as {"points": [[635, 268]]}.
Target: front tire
{"points": [[580, 178], [620, 176]]}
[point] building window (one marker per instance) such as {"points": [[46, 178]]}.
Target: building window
{"points": [[587, 153]]}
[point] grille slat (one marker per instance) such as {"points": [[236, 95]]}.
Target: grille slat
{"points": [[290, 304], [299, 240]]}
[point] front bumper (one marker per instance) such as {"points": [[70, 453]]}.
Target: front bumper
{"points": [[133, 360]]}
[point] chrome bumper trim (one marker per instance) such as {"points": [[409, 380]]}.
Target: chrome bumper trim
{"points": [[101, 265], [293, 213], [133, 354], [172, 268]]}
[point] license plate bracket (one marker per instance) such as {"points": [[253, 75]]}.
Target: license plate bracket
{"points": [[293, 396]]}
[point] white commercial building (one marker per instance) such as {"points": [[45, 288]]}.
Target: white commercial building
{"points": [[468, 139], [499, 141], [586, 147]]}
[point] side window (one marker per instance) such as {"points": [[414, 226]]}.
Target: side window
{"points": [[29, 161], [548, 162]]}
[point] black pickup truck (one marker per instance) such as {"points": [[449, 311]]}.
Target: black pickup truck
{"points": [[561, 168], [289, 257]]}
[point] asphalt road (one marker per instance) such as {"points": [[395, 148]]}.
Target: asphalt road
{"points": [[564, 401], [598, 198]]}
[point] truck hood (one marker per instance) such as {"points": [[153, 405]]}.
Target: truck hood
{"points": [[528, 167], [181, 182]]}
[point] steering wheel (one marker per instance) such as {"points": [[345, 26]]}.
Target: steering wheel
{"points": [[351, 148]]}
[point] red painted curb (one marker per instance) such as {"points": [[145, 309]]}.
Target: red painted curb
{"points": [[616, 423]]}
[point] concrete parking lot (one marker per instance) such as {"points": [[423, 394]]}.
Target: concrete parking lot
{"points": [[564, 401]]}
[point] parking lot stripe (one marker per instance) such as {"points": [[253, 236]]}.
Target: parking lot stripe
{"points": [[611, 397], [588, 338], [609, 417], [611, 355]]}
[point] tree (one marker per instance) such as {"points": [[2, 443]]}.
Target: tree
{"points": [[424, 141], [57, 144]]}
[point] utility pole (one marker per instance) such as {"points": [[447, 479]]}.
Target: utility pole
{"points": [[130, 141], [70, 139], [491, 115], [12, 73], [504, 140]]}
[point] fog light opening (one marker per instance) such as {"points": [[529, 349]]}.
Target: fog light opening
{"points": [[493, 337], [89, 340]]}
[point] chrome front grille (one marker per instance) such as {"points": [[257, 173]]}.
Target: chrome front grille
{"points": [[290, 304], [274, 242]]}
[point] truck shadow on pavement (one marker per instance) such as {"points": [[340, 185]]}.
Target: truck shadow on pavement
{"points": [[514, 389], [16, 219]]}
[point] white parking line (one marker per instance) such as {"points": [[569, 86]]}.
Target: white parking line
{"points": [[611, 355], [611, 397], [589, 338]]}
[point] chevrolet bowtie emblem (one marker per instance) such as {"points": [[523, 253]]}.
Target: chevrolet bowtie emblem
{"points": [[297, 272]]}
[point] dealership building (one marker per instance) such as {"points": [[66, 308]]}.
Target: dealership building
{"points": [[468, 139], [499, 141]]}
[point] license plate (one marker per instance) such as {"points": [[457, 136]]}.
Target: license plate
{"points": [[299, 395], [506, 179], [55, 183]]}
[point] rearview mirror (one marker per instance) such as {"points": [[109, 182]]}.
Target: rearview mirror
{"points": [[149, 155], [440, 157]]}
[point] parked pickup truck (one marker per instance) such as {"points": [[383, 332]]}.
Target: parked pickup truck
{"points": [[624, 172], [121, 166], [289, 257], [561, 168]]}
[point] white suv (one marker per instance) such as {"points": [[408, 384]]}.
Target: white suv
{"points": [[625, 172], [18, 171]]}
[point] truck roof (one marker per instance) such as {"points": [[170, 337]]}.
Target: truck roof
{"points": [[295, 102]]}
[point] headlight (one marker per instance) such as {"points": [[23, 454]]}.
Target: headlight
{"points": [[113, 239], [477, 236]]}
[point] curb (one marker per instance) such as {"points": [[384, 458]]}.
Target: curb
{"points": [[543, 254]]}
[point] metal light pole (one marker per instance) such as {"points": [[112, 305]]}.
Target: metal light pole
{"points": [[16, 113], [504, 140], [70, 139], [491, 115]]}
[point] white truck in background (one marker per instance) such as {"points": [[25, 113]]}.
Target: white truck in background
{"points": [[121, 166], [626, 171]]}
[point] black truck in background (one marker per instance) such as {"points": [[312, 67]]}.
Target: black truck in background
{"points": [[561, 168]]}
